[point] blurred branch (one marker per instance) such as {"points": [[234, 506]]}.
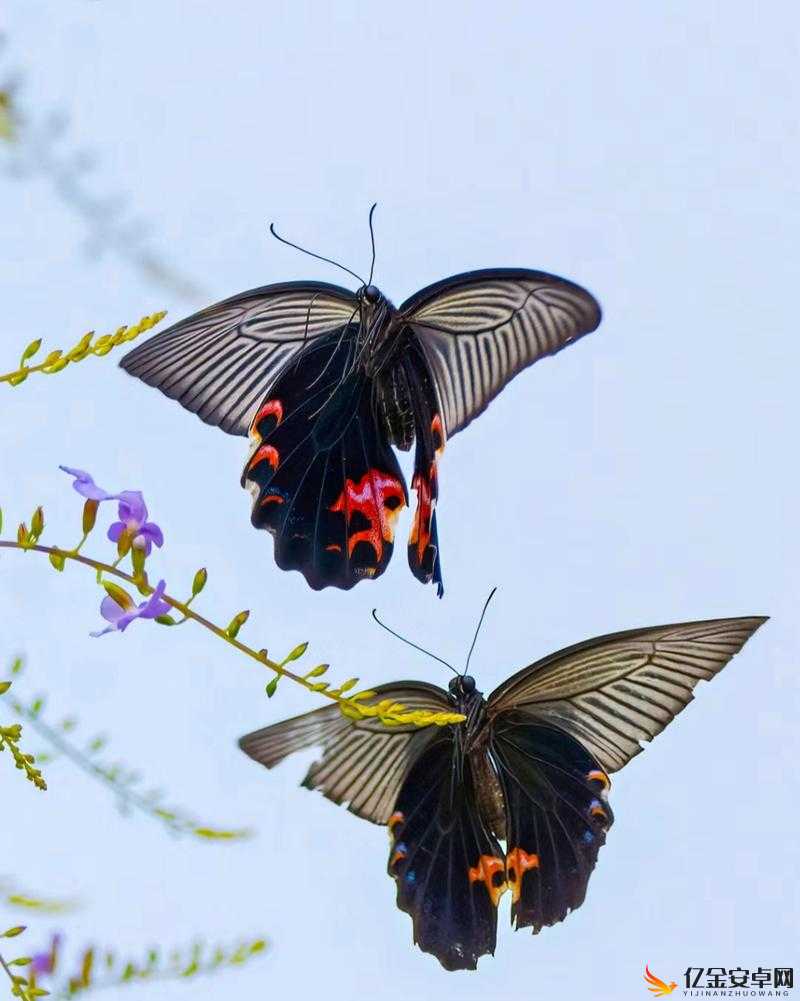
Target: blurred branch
{"points": [[39, 147], [9, 740], [121, 781]]}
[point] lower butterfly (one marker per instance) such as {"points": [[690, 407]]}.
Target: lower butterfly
{"points": [[516, 798], [326, 381]]}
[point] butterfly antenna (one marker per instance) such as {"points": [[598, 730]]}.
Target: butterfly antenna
{"points": [[311, 253], [372, 238], [478, 629], [404, 640]]}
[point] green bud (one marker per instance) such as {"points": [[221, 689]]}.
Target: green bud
{"points": [[119, 594], [13, 932], [58, 560], [31, 350], [138, 559], [199, 581], [165, 620], [236, 624], [37, 522], [317, 671], [123, 544], [350, 683], [296, 653], [272, 686], [4, 687], [89, 515]]}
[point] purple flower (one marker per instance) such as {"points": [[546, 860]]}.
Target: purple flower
{"points": [[120, 617], [44, 963], [133, 523], [132, 513], [86, 486]]}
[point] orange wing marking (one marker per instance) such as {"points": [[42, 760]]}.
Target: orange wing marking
{"points": [[518, 862], [269, 407], [265, 452], [485, 871]]}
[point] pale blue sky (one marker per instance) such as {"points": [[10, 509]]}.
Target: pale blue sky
{"points": [[647, 475]]}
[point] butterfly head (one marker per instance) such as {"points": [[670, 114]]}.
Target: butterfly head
{"points": [[462, 684], [369, 294]]}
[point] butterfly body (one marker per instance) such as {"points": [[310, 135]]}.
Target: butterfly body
{"points": [[326, 382], [513, 801]]}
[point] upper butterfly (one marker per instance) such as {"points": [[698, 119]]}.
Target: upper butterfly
{"points": [[325, 381]]}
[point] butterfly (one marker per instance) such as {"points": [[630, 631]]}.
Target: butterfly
{"points": [[325, 381], [515, 797]]}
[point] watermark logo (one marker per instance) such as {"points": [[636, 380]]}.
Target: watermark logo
{"points": [[726, 982], [657, 987]]}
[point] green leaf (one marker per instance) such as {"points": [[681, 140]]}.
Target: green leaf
{"points": [[272, 686]]}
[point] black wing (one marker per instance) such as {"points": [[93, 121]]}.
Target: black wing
{"points": [[558, 728], [614, 691], [423, 541], [363, 762], [220, 363], [482, 328], [447, 865], [324, 479], [557, 815]]}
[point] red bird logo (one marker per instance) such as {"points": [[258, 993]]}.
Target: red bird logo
{"points": [[657, 986]]}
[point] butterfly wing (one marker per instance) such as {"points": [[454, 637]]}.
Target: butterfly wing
{"points": [[324, 479], [558, 728], [423, 541], [480, 329], [614, 691], [220, 362], [557, 816], [445, 861], [363, 762]]}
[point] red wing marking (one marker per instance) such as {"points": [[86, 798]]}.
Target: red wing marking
{"points": [[518, 862], [420, 535], [439, 437], [371, 497], [266, 453], [269, 407], [485, 872], [271, 499]]}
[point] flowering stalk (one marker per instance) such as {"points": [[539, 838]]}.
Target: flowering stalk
{"points": [[21, 987], [134, 536], [120, 781], [57, 360], [9, 739]]}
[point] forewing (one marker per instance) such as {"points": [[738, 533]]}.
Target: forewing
{"points": [[557, 816], [447, 865], [614, 691], [324, 479], [363, 763], [482, 328], [220, 363]]}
